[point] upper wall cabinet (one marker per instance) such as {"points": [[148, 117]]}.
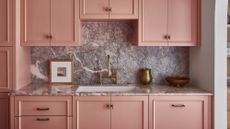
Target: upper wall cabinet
{"points": [[169, 23], [49, 22], [6, 69], [6, 23], [108, 9]]}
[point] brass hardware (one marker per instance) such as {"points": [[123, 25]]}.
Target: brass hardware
{"points": [[146, 76], [107, 106], [50, 36], [43, 119], [109, 74], [43, 109], [111, 106], [178, 105], [169, 37], [108, 9], [165, 36]]}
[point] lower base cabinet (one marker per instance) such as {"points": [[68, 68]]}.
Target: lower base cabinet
{"points": [[4, 111], [110, 112], [179, 112]]}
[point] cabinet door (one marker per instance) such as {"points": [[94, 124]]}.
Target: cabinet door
{"points": [[183, 22], [124, 9], [6, 72], [153, 23], [91, 112], [64, 22], [6, 22], [94, 9], [4, 111], [43, 122], [35, 22], [129, 112], [179, 112]]}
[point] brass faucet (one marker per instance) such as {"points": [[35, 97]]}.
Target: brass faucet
{"points": [[109, 74]]}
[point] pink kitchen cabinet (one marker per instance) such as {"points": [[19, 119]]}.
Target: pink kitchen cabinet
{"points": [[6, 69], [6, 22], [129, 112], [169, 23], [42, 112], [91, 112], [4, 111], [108, 9], [179, 112], [110, 112], [50, 22]]}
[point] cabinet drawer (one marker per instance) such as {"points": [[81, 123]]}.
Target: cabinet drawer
{"points": [[30, 105], [38, 122], [175, 110]]}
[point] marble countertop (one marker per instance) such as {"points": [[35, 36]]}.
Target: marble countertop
{"points": [[46, 90]]}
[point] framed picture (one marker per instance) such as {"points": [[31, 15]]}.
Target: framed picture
{"points": [[61, 72]]}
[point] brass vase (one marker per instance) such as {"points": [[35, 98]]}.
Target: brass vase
{"points": [[146, 76]]}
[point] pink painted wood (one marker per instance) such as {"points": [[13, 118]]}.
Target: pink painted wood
{"points": [[43, 122], [91, 112], [6, 69], [4, 111], [7, 22], [129, 112], [179, 112], [124, 9], [153, 23], [35, 22], [183, 22], [65, 24], [42, 105], [94, 9]]}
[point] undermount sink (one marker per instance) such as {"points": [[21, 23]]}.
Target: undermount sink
{"points": [[105, 88]]}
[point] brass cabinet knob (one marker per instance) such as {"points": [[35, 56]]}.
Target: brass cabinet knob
{"points": [[165, 36], [169, 37], [108, 9]]}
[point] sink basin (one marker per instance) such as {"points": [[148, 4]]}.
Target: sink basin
{"points": [[105, 88]]}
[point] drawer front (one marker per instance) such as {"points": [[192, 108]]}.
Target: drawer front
{"points": [[38, 122], [179, 112], [27, 106]]}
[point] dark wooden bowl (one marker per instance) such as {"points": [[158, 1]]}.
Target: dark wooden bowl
{"points": [[177, 81]]}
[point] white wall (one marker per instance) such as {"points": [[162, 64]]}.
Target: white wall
{"points": [[208, 67]]}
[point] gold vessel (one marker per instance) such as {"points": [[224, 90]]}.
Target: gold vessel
{"points": [[146, 76]]}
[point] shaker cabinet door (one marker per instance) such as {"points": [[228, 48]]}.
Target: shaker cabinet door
{"points": [[124, 9], [177, 112], [64, 22], [91, 112], [94, 9], [153, 23], [183, 22], [129, 112], [6, 69], [6, 23], [4, 111], [35, 22]]}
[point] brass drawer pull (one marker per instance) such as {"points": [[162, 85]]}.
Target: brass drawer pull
{"points": [[43, 119], [178, 105], [43, 109]]}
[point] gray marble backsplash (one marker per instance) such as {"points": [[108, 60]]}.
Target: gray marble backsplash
{"points": [[111, 38]]}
